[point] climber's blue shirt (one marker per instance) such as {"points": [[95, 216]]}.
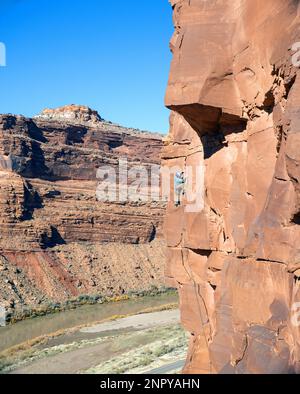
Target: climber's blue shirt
{"points": [[178, 181]]}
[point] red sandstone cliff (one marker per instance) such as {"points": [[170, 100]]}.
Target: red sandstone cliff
{"points": [[235, 99], [57, 241]]}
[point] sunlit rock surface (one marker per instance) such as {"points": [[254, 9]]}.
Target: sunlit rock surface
{"points": [[57, 240], [234, 95]]}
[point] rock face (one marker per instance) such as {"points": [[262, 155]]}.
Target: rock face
{"points": [[53, 230], [234, 96], [74, 113]]}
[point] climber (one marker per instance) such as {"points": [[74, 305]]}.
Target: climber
{"points": [[179, 186]]}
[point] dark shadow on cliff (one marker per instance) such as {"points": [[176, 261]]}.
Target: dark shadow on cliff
{"points": [[152, 235], [32, 201], [35, 132], [296, 219], [212, 125], [212, 143], [75, 135], [51, 240], [38, 167]]}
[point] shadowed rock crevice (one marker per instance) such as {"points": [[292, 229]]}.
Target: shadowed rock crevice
{"points": [[32, 201], [212, 143], [296, 219], [75, 135], [51, 239], [205, 119]]}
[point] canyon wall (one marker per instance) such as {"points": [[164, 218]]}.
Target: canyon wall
{"points": [[235, 100], [57, 240]]}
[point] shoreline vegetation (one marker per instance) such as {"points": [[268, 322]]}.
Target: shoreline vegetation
{"points": [[32, 312]]}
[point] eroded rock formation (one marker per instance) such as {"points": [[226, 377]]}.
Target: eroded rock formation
{"points": [[57, 241], [234, 93]]}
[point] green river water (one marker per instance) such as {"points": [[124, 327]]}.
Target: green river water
{"points": [[26, 330]]}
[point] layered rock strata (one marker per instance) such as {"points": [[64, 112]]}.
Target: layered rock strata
{"points": [[57, 240], [234, 95]]}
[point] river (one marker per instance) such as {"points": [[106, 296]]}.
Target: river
{"points": [[30, 329]]}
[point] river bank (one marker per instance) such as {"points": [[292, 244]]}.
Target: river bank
{"points": [[22, 340], [136, 344], [31, 312]]}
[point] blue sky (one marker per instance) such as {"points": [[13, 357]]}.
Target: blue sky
{"points": [[110, 55]]}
